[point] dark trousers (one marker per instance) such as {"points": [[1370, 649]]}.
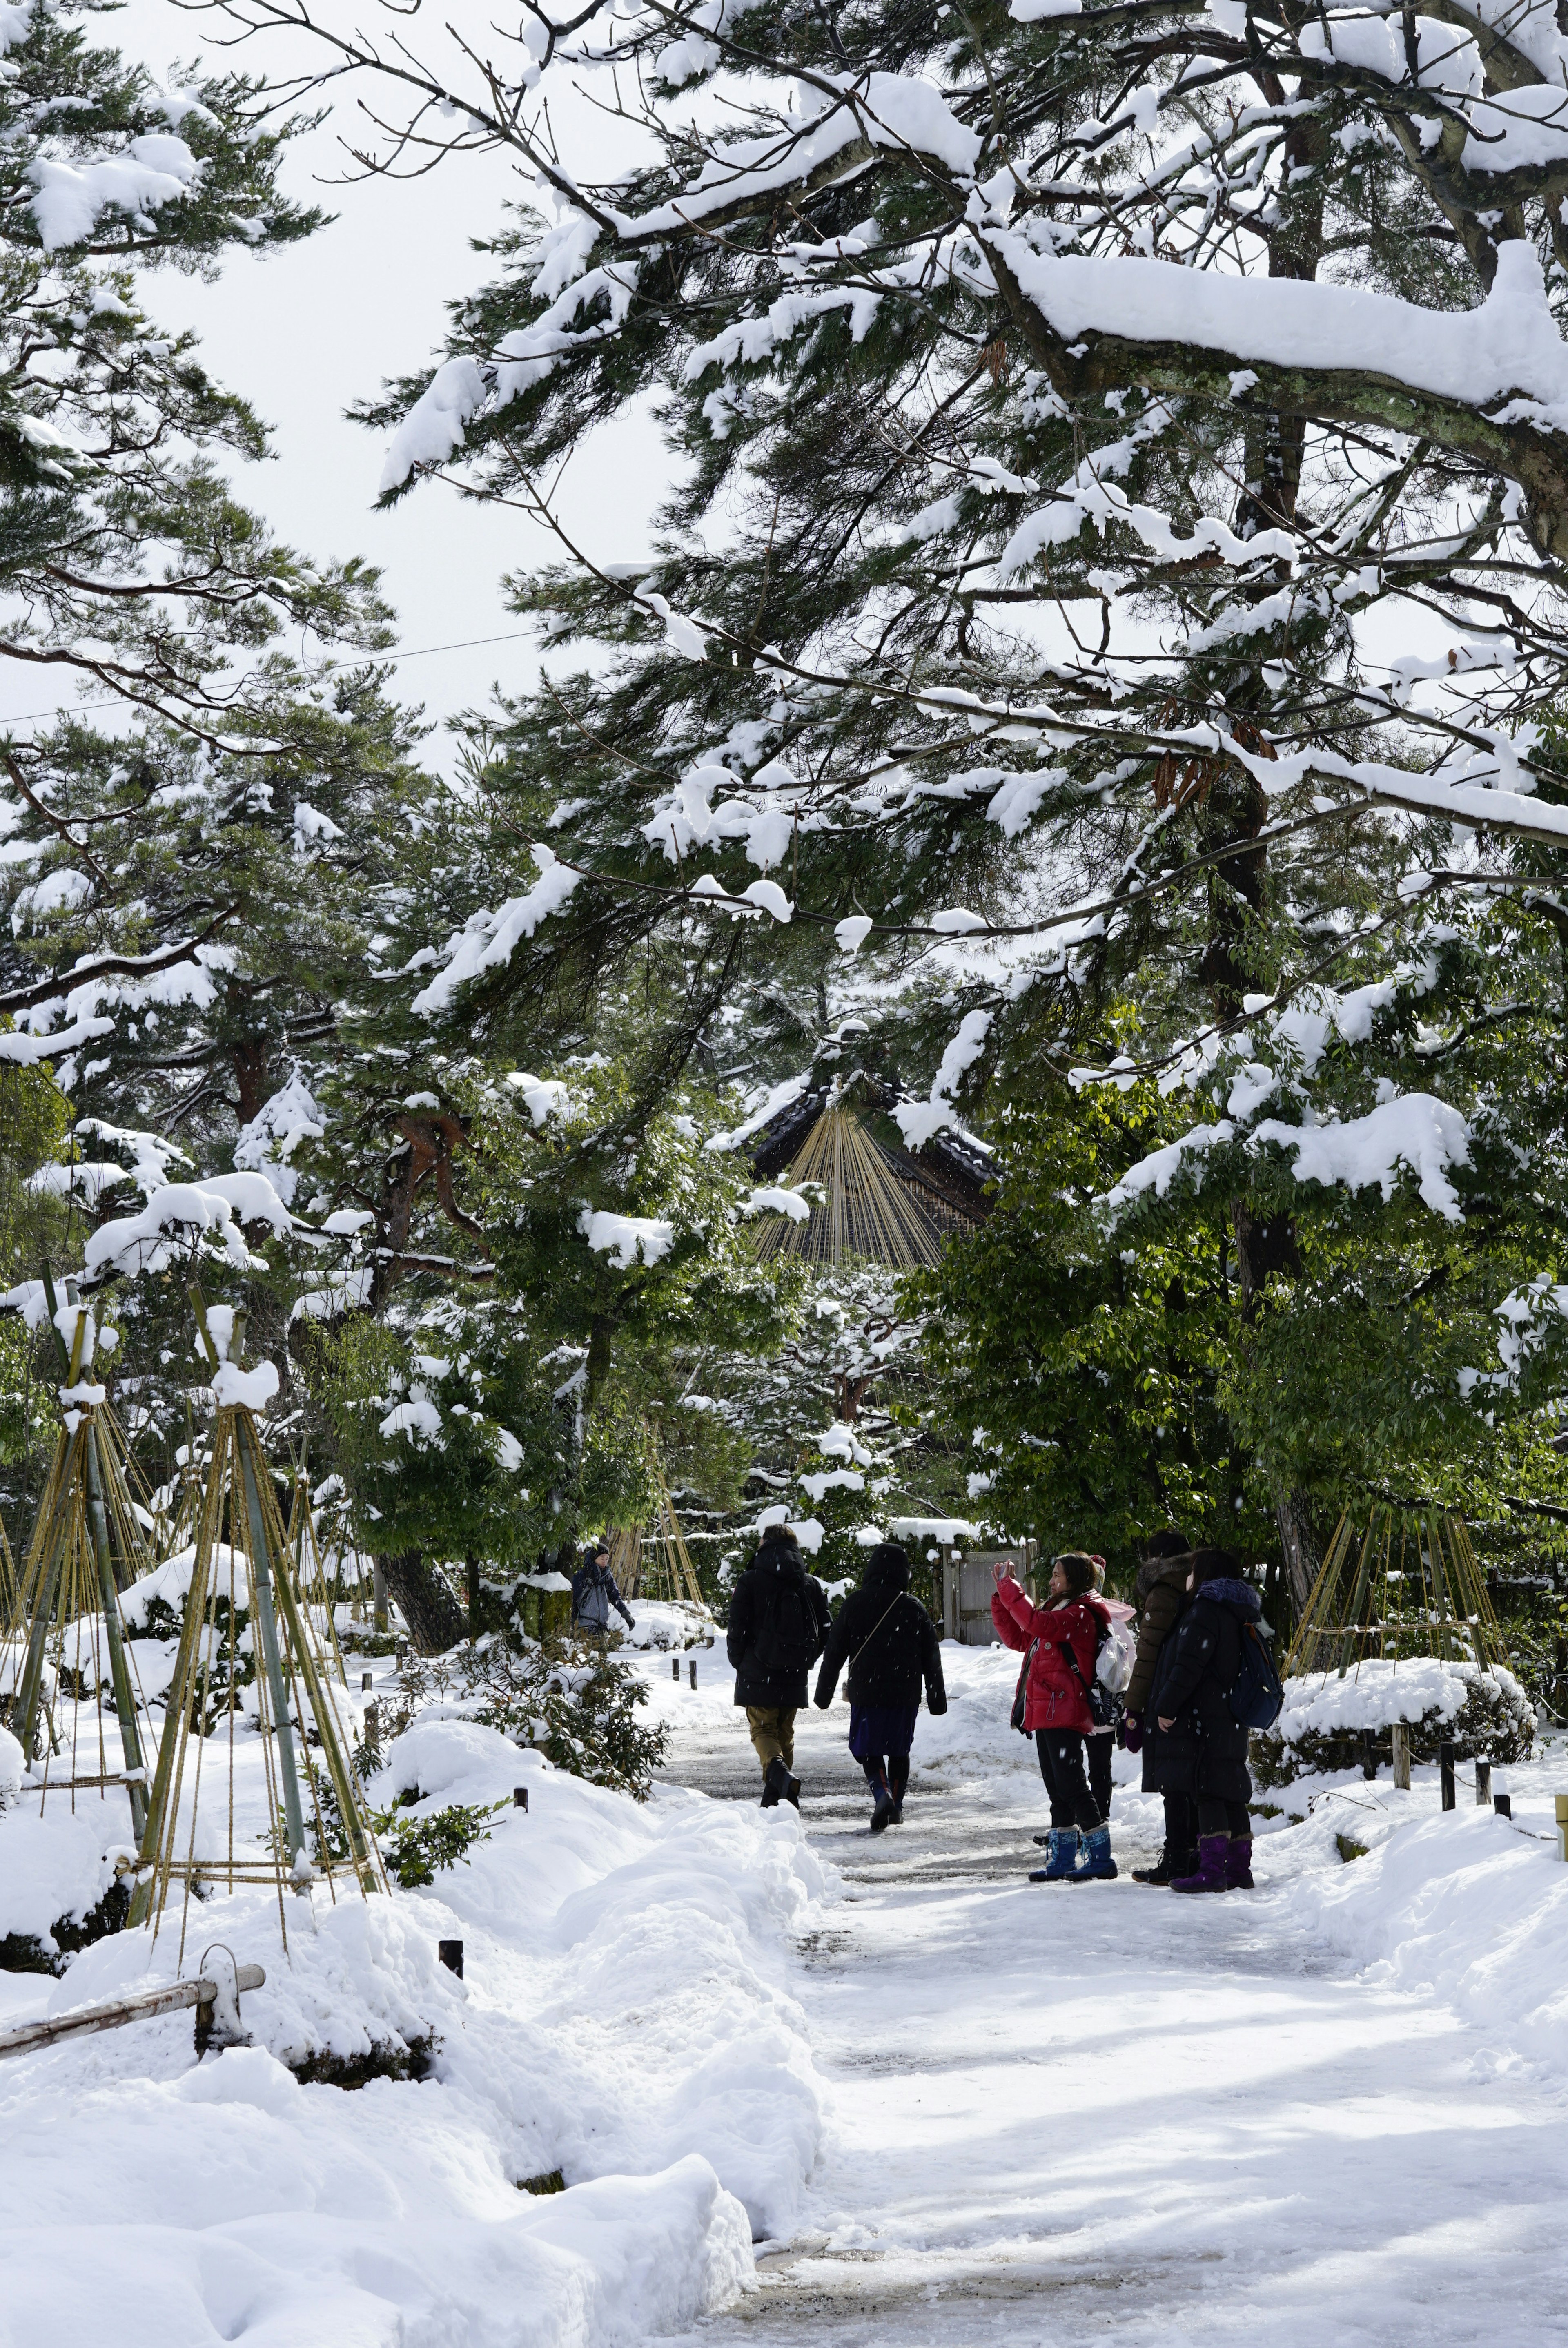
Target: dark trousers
{"points": [[1180, 1822], [1062, 1764], [1099, 1750], [1217, 1816], [893, 1766]]}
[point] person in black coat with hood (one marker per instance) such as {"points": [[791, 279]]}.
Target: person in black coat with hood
{"points": [[1200, 1748], [777, 1628], [891, 1645]]}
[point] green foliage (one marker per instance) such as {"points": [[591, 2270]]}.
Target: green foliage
{"points": [[417, 1849]]}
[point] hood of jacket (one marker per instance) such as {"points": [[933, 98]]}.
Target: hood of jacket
{"points": [[777, 1558], [1174, 1570], [886, 1574], [1239, 1594]]}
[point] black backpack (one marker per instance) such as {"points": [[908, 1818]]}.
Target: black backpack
{"points": [[785, 1642], [1256, 1695]]}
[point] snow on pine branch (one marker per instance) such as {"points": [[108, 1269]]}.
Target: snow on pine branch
{"points": [[487, 939], [1414, 1133]]}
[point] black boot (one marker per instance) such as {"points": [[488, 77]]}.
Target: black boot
{"points": [[897, 1786], [1171, 1864], [792, 1792], [776, 1782]]}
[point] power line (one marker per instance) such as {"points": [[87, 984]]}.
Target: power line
{"points": [[364, 660]]}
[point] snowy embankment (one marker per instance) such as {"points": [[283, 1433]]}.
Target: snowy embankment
{"points": [[625, 2019]]}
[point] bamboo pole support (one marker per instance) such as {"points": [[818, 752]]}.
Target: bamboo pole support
{"points": [[266, 1623], [113, 1633]]}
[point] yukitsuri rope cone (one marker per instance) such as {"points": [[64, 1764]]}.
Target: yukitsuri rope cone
{"points": [[1396, 1582], [871, 1207], [655, 1563], [304, 1749], [63, 1651]]}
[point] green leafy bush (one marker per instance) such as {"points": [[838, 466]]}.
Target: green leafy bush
{"points": [[417, 1849]]}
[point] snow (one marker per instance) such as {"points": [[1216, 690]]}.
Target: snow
{"points": [[1374, 1695], [488, 940], [957, 2109], [626, 1238], [190, 2201], [1328, 2109], [433, 429], [67, 200], [1413, 1132], [918, 1120], [769, 1198], [1509, 345], [234, 1388], [218, 1204]]}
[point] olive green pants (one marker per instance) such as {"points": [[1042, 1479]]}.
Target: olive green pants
{"points": [[772, 1733]]}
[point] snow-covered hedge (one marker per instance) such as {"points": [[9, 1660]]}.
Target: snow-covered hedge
{"points": [[1326, 1718]]}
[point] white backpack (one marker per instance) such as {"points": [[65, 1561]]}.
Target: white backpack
{"points": [[1113, 1661]]}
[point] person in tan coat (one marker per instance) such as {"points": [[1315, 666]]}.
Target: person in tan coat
{"points": [[1161, 1592]]}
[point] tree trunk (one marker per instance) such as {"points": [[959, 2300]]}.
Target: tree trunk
{"points": [[423, 1597], [1301, 1558], [472, 1564]]}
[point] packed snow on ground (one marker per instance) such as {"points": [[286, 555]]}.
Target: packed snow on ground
{"points": [[626, 2017]]}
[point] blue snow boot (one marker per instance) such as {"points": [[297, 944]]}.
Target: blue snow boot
{"points": [[1062, 1866], [881, 1804], [1098, 1867]]}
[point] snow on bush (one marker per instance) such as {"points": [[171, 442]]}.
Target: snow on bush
{"points": [[1325, 1717], [1462, 1904], [625, 2018]]}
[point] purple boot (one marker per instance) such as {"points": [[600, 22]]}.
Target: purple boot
{"points": [[1212, 1875], [1238, 1863]]}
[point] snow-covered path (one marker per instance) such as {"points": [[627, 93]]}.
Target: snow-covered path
{"points": [[1060, 2114]]}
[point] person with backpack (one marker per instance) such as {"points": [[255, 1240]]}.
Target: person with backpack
{"points": [[1060, 1642], [891, 1647], [778, 1626], [1205, 1683], [594, 1591], [1160, 1592], [1112, 1670]]}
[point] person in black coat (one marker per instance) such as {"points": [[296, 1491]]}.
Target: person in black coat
{"points": [[1200, 1747], [891, 1647], [778, 1626]]}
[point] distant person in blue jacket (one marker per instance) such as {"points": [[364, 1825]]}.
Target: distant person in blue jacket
{"points": [[594, 1591]]}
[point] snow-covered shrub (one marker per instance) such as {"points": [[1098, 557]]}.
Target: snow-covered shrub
{"points": [[1326, 1720], [575, 1701]]}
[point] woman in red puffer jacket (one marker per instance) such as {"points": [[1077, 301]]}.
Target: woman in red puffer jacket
{"points": [[1056, 1707]]}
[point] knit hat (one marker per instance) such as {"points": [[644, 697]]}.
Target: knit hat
{"points": [[886, 1558]]}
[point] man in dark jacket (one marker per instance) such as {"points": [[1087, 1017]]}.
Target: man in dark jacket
{"points": [[1202, 1747], [891, 1645], [778, 1627], [594, 1591], [1161, 1596]]}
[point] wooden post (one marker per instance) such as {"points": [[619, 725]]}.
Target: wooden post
{"points": [[366, 1681], [1400, 1737], [519, 1797], [25, 1716], [451, 1955], [1482, 1785], [675, 1669], [951, 1624], [1561, 1805], [693, 1668], [1446, 1768]]}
